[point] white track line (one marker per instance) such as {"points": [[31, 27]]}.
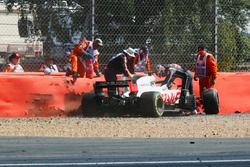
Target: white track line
{"points": [[126, 163]]}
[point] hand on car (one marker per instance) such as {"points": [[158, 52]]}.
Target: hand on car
{"points": [[98, 73], [75, 75]]}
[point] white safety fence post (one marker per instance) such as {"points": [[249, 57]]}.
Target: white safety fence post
{"points": [[216, 29], [93, 21]]}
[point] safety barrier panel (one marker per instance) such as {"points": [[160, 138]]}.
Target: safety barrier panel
{"points": [[39, 95]]}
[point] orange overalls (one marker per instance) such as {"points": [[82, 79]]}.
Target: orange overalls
{"points": [[84, 66], [206, 71]]}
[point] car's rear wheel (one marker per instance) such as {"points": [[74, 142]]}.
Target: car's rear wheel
{"points": [[210, 99], [91, 105], [151, 104]]}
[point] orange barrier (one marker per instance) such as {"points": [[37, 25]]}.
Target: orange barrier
{"points": [[34, 94], [234, 92]]}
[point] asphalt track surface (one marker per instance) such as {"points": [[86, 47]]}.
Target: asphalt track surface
{"points": [[23, 151]]}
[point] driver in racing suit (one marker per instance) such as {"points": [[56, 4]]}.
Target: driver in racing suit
{"points": [[172, 71]]}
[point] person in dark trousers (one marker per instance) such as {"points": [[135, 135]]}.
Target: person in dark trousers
{"points": [[118, 64], [173, 71]]}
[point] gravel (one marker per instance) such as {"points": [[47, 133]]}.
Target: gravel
{"points": [[201, 126]]}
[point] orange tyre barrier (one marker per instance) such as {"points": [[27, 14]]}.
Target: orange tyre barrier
{"points": [[37, 95], [34, 94]]}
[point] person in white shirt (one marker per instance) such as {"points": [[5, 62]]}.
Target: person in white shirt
{"points": [[49, 67], [14, 65]]}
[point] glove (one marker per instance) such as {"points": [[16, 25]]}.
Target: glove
{"points": [[68, 72], [98, 73], [86, 55], [75, 75]]}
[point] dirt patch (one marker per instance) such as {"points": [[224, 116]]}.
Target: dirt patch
{"points": [[237, 125]]}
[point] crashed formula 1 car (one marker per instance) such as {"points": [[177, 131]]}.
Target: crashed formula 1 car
{"points": [[148, 97]]}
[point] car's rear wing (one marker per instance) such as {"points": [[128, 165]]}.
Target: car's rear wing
{"points": [[99, 86], [124, 83]]}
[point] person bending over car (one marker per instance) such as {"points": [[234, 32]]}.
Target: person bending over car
{"points": [[173, 71], [118, 65]]}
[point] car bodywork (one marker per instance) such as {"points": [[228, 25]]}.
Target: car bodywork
{"points": [[135, 92]]}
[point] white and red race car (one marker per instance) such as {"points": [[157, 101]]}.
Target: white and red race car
{"points": [[148, 97]]}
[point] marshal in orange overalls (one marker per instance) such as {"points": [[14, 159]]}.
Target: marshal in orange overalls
{"points": [[206, 70], [84, 58]]}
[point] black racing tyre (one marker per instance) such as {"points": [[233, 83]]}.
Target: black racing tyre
{"points": [[210, 99], [191, 102], [91, 105], [151, 104]]}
